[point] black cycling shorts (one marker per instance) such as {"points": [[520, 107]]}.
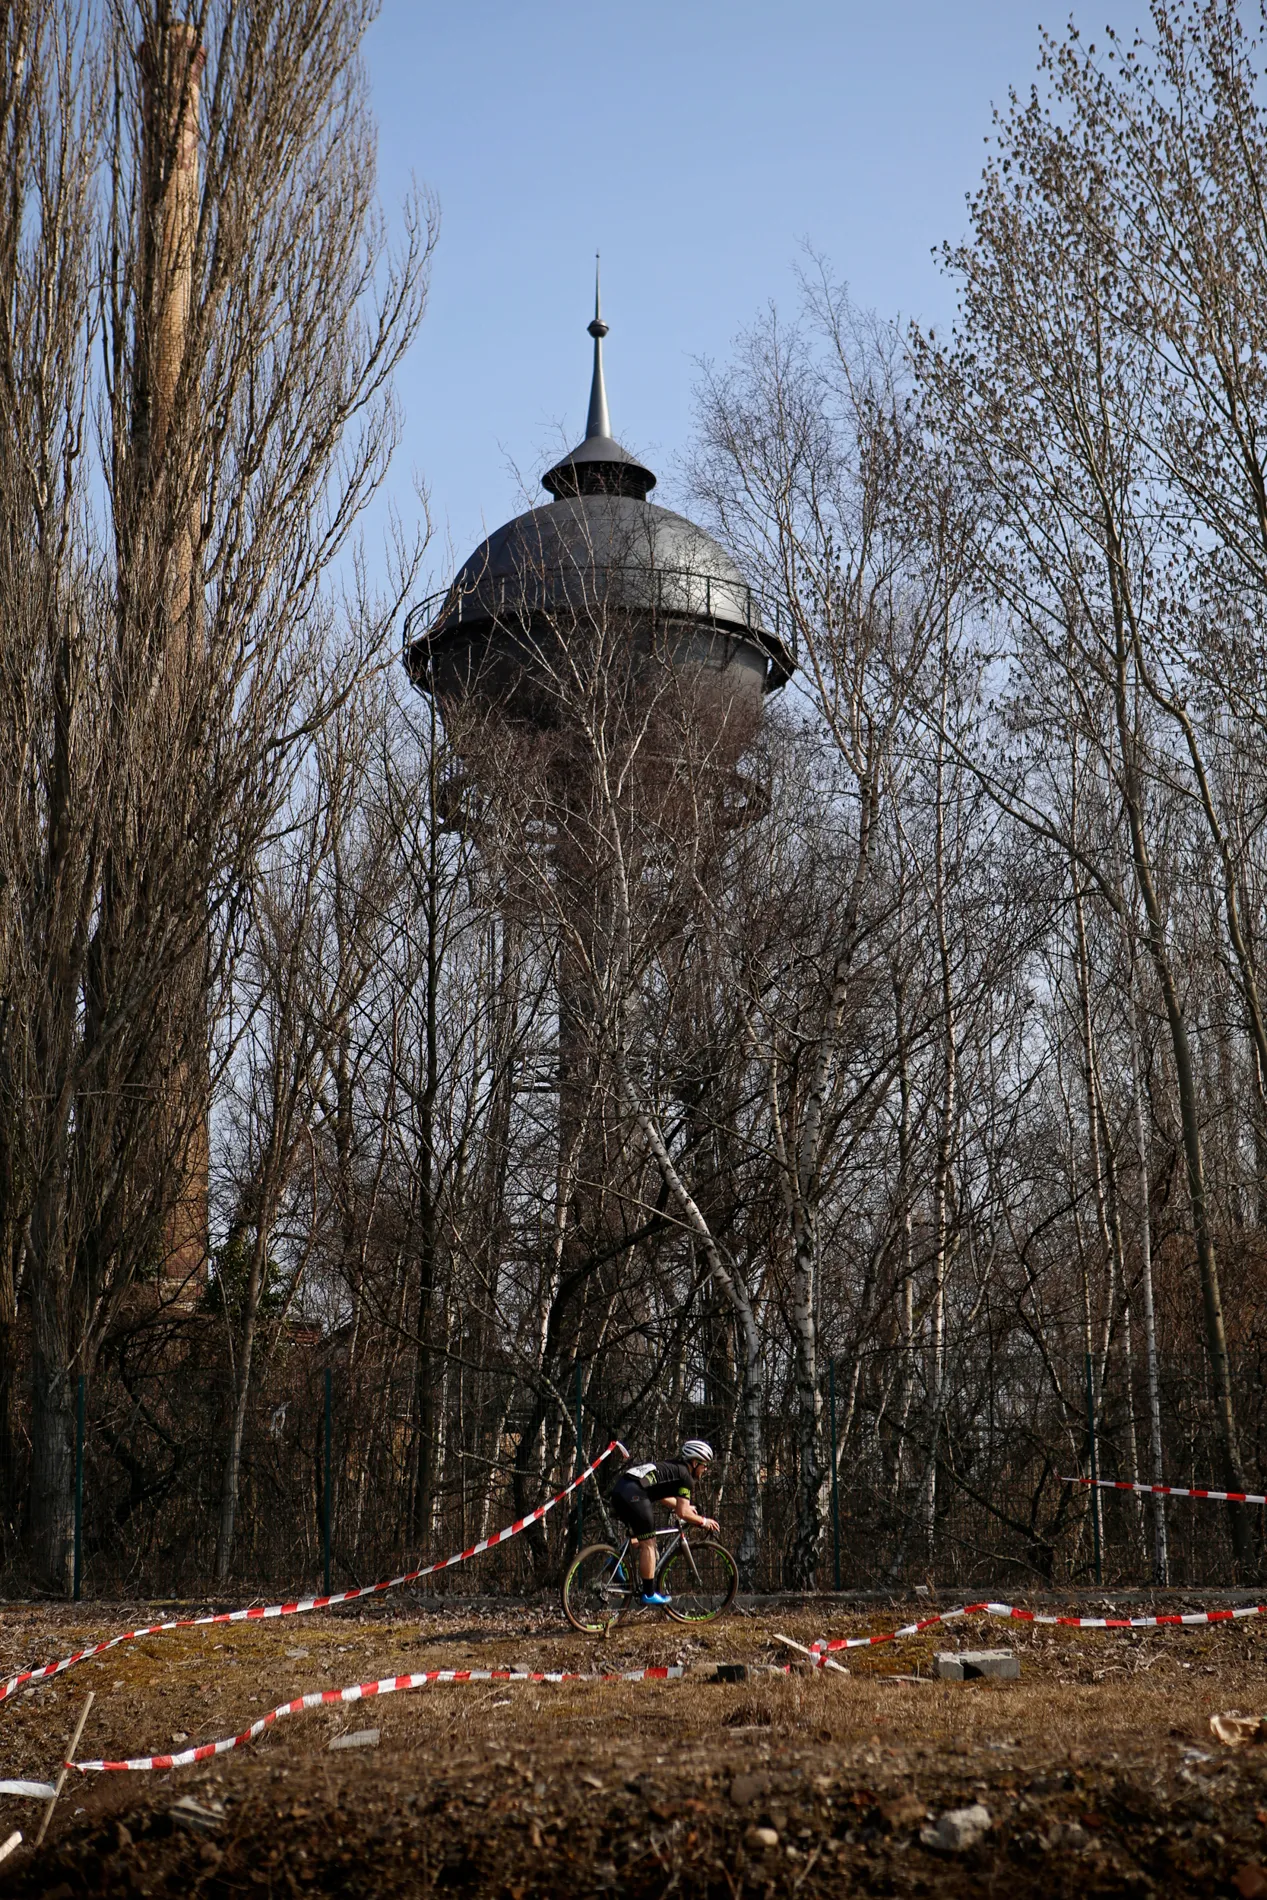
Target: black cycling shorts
{"points": [[632, 1506]]}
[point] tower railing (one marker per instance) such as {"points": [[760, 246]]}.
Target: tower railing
{"points": [[675, 592]]}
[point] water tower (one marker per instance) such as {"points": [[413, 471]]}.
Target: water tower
{"points": [[504, 650], [598, 547]]}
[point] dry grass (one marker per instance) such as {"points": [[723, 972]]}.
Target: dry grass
{"points": [[1093, 1767]]}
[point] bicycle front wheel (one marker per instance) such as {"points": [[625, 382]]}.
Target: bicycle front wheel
{"points": [[597, 1589], [701, 1581]]}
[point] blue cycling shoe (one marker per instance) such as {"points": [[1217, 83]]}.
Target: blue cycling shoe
{"points": [[654, 1599]]}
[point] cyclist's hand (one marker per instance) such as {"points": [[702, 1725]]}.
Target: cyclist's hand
{"points": [[710, 1524]]}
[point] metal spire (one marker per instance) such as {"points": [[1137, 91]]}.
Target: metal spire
{"points": [[598, 465], [599, 422]]}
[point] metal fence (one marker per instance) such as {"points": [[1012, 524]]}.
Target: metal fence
{"points": [[965, 1489]]}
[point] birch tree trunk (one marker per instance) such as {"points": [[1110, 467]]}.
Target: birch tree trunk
{"points": [[1161, 1555], [1189, 1114], [733, 1284], [946, 1137]]}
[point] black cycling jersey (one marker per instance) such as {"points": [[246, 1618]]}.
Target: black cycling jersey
{"points": [[668, 1479]]}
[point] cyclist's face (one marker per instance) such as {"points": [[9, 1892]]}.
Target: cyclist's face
{"points": [[697, 1468]]}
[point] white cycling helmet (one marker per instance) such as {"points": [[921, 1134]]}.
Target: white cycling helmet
{"points": [[697, 1449]]}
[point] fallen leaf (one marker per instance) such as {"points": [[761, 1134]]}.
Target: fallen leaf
{"points": [[1234, 1730]]}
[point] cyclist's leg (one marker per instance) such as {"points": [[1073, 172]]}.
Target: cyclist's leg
{"points": [[632, 1506]]}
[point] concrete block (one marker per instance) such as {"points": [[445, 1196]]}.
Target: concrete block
{"points": [[361, 1738], [965, 1665], [955, 1832]]}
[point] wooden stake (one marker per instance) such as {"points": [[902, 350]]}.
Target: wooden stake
{"points": [[61, 1779], [815, 1656]]}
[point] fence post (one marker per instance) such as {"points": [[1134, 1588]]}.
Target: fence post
{"points": [[835, 1496], [1095, 1472], [79, 1486], [580, 1456], [325, 1515]]}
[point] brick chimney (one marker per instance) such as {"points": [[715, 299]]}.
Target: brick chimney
{"points": [[171, 60]]}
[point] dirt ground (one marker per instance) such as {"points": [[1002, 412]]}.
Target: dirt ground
{"points": [[1097, 1768]]}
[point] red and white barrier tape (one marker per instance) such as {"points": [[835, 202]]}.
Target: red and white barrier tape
{"points": [[297, 1608], [1169, 1490], [1009, 1610], [357, 1692]]}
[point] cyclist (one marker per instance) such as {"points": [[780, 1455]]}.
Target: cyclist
{"points": [[639, 1487]]}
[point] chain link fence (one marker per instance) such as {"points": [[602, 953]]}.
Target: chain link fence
{"points": [[957, 1482]]}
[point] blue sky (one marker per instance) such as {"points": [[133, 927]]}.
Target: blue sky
{"points": [[699, 146]]}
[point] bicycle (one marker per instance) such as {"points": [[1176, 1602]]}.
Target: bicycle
{"points": [[701, 1580]]}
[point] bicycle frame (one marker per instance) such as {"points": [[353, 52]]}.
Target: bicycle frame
{"points": [[676, 1533]]}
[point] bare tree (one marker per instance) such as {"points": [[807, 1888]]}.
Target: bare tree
{"points": [[199, 333], [813, 464], [1048, 395]]}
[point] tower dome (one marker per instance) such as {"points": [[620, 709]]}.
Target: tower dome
{"points": [[599, 547]]}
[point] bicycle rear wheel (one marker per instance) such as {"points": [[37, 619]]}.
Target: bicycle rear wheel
{"points": [[597, 1589], [701, 1581]]}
